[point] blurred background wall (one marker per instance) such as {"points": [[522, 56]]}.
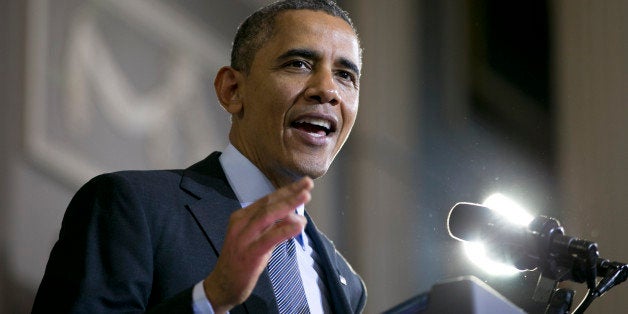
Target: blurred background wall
{"points": [[459, 99]]}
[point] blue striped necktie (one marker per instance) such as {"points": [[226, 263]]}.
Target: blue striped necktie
{"points": [[286, 280]]}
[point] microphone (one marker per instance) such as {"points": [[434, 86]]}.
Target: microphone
{"points": [[470, 222], [541, 244], [503, 240]]}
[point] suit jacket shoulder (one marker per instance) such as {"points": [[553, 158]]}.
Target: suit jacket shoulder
{"points": [[130, 241]]}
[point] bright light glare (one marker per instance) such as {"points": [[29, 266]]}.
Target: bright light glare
{"points": [[514, 213], [477, 255], [506, 207]]}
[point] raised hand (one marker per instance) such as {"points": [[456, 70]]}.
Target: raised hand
{"points": [[252, 234]]}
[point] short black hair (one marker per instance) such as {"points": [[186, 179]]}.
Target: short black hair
{"points": [[260, 26]]}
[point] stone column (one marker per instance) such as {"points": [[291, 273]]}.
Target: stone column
{"points": [[382, 217]]}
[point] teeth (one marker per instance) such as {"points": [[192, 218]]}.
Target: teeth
{"points": [[318, 122]]}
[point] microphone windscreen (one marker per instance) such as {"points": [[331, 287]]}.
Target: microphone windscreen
{"points": [[469, 221]]}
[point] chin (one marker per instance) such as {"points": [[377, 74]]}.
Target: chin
{"points": [[313, 169]]}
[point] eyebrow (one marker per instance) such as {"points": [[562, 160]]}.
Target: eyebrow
{"points": [[313, 55]]}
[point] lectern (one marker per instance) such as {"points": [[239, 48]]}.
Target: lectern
{"points": [[463, 295]]}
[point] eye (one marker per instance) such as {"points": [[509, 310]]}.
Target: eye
{"points": [[347, 76], [298, 64]]}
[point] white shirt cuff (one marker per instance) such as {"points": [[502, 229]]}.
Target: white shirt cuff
{"points": [[200, 303]]}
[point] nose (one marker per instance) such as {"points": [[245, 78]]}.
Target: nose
{"points": [[323, 89]]}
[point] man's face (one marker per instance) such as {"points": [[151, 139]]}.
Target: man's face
{"points": [[300, 98]]}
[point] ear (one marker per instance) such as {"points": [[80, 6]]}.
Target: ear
{"points": [[227, 86]]}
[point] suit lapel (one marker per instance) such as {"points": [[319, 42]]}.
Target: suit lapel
{"points": [[215, 201], [334, 280]]}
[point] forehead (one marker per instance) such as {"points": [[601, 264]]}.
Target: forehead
{"points": [[316, 30]]}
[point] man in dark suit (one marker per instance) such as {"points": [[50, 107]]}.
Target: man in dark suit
{"points": [[200, 239]]}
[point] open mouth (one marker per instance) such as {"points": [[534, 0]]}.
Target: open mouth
{"points": [[319, 126]]}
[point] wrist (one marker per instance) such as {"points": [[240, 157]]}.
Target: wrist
{"points": [[215, 294]]}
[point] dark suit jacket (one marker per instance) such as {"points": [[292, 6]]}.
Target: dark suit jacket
{"points": [[140, 240]]}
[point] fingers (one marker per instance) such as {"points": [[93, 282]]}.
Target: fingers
{"points": [[281, 203], [272, 219], [259, 227], [279, 232]]}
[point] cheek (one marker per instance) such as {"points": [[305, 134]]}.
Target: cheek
{"points": [[268, 105], [348, 119], [281, 94], [349, 113]]}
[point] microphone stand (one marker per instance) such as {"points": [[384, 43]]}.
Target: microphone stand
{"points": [[560, 301], [560, 257], [612, 273]]}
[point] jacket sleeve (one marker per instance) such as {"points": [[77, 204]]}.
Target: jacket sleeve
{"points": [[103, 259]]}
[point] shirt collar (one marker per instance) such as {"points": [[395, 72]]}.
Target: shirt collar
{"points": [[246, 180]]}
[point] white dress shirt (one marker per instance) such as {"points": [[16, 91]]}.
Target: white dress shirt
{"points": [[249, 185]]}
